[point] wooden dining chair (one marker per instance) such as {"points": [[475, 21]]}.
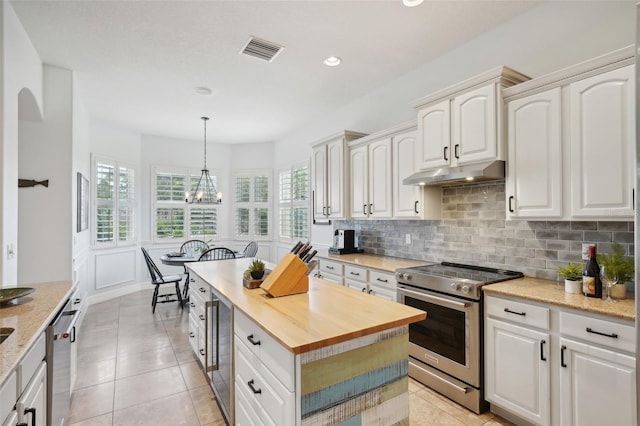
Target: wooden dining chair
{"points": [[251, 249], [157, 279], [217, 253], [191, 246]]}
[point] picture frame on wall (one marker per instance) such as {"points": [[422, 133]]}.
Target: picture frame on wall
{"points": [[83, 203]]}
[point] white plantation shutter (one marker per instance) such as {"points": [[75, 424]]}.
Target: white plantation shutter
{"points": [[252, 198], [115, 203], [293, 201], [175, 219]]}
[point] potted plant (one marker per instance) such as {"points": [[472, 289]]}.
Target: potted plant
{"points": [[572, 274], [255, 269], [620, 266]]}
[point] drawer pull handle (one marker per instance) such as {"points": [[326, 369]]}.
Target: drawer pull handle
{"points": [[612, 335], [382, 281], [542, 357], [511, 210], [253, 389], [415, 207], [446, 148], [370, 291], [509, 311], [202, 290], [193, 280], [253, 341], [357, 274], [202, 352], [329, 267], [202, 317], [364, 289], [193, 305], [33, 414], [192, 335], [562, 349]]}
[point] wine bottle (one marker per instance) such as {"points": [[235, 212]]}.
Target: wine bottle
{"points": [[591, 283]]}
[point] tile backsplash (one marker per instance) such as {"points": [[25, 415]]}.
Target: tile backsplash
{"points": [[474, 230]]}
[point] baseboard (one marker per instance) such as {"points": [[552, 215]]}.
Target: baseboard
{"points": [[123, 290]]}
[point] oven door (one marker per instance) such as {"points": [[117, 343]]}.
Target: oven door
{"points": [[449, 338]]}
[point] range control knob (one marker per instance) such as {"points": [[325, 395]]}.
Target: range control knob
{"points": [[466, 289], [405, 276], [455, 286]]}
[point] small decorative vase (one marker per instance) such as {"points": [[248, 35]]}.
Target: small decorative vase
{"points": [[573, 287], [619, 291], [256, 275]]}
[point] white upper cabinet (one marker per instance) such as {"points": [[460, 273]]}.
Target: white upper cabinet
{"points": [[474, 126], [328, 176], [602, 144], [463, 123], [572, 142], [534, 166], [370, 175]]}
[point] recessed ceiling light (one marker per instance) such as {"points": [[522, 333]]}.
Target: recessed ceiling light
{"points": [[332, 61], [201, 90], [412, 3]]}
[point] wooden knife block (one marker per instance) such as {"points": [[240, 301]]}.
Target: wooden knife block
{"points": [[288, 277]]}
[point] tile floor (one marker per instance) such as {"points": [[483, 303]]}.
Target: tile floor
{"points": [[137, 368]]}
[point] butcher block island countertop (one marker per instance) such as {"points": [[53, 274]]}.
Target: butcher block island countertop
{"points": [[545, 291], [326, 315]]}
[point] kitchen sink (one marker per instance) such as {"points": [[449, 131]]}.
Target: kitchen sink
{"points": [[4, 333]]}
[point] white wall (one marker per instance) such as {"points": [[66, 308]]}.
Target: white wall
{"points": [[552, 36], [21, 68], [45, 152]]}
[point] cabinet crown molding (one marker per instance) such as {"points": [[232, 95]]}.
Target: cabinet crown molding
{"points": [[347, 135], [502, 75], [386, 133], [601, 64]]}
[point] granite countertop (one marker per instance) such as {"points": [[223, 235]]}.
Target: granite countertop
{"points": [[545, 291], [384, 263], [321, 317], [30, 316]]}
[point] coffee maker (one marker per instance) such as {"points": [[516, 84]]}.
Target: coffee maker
{"points": [[344, 241]]}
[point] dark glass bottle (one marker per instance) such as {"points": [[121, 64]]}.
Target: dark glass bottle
{"points": [[591, 283]]}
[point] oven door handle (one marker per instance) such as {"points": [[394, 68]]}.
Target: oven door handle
{"points": [[435, 299]]}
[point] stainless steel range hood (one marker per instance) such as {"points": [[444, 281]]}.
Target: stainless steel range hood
{"points": [[448, 176]]}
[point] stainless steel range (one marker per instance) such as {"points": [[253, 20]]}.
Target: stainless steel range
{"points": [[445, 349]]}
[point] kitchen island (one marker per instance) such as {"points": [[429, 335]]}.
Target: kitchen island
{"points": [[339, 355]]}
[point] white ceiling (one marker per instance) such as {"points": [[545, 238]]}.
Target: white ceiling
{"points": [[137, 63]]}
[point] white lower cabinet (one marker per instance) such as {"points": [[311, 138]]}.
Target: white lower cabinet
{"points": [[199, 294], [32, 405], [331, 271], [264, 376], [549, 365], [374, 282]]}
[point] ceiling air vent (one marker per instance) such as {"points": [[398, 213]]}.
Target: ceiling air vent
{"points": [[261, 49]]}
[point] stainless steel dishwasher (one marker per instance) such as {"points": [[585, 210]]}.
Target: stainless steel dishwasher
{"points": [[60, 334]]}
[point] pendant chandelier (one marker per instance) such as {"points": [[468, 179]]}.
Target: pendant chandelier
{"points": [[205, 192]]}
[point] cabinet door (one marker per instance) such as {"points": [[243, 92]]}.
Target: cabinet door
{"points": [[335, 179], [407, 199], [534, 169], [474, 126], [597, 386], [33, 402], [434, 136], [379, 172], [358, 165], [517, 370], [602, 144], [318, 181]]}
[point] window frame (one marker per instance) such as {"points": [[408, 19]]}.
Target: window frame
{"points": [[191, 175], [292, 204], [115, 202], [251, 205]]}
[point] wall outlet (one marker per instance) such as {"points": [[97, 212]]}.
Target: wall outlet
{"points": [[407, 238], [585, 251]]}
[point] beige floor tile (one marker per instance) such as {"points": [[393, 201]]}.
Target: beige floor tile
{"points": [[91, 402], [423, 413], [97, 353], [143, 362], [174, 410], [466, 416], [185, 355], [103, 420], [142, 343], [92, 372], [147, 387], [205, 404], [193, 375]]}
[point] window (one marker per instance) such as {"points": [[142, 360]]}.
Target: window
{"points": [[294, 203], [252, 197], [174, 219], [115, 203]]}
